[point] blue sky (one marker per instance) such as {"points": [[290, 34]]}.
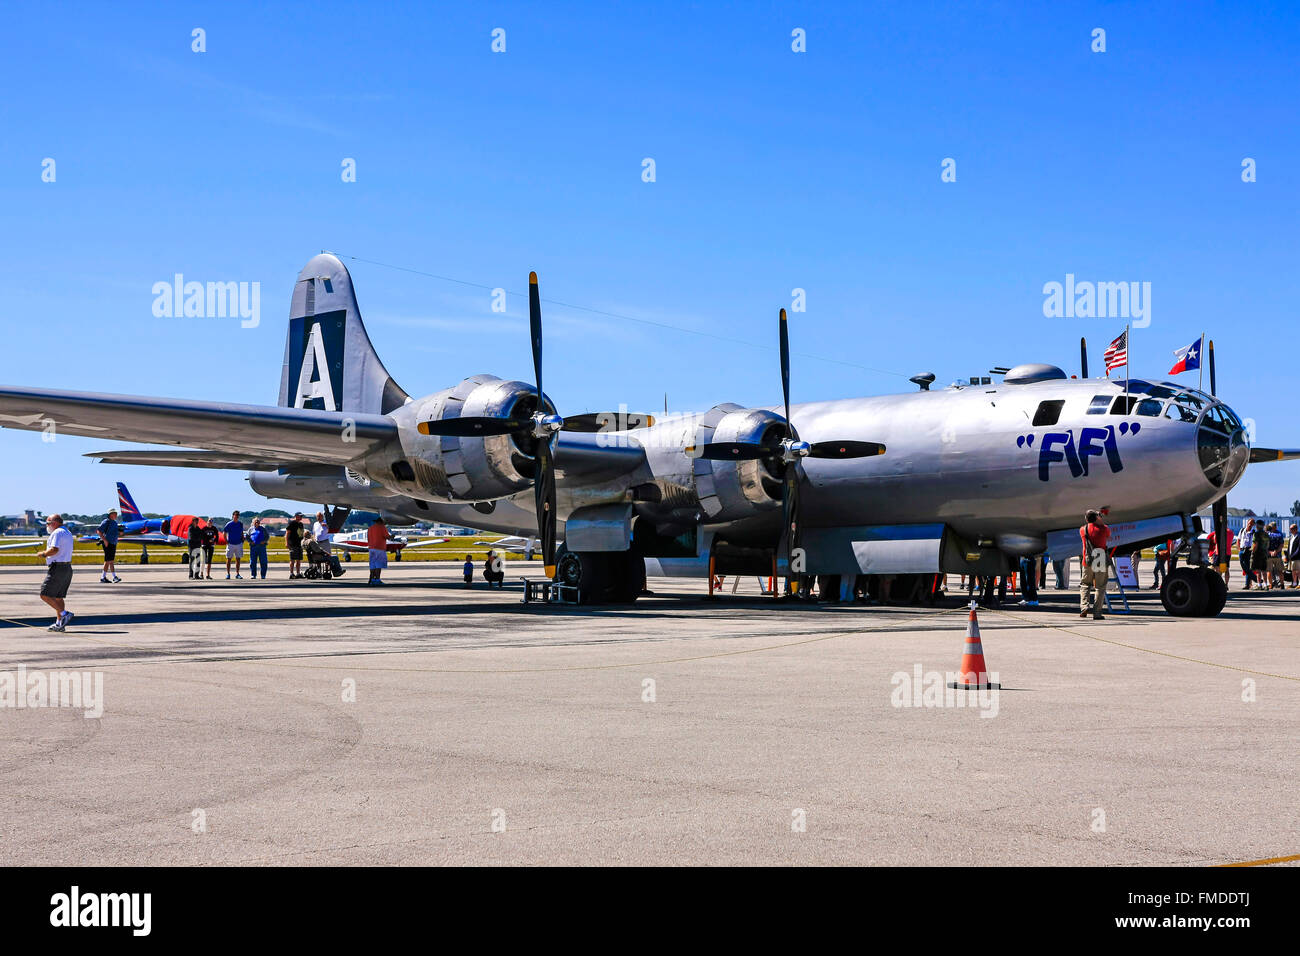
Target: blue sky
{"points": [[775, 170]]}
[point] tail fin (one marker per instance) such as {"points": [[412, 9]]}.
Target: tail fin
{"points": [[329, 362], [126, 504]]}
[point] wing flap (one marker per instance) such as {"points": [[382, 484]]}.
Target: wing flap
{"points": [[192, 458]]}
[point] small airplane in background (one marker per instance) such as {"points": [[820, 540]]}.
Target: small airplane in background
{"points": [[171, 531], [354, 542], [512, 544]]}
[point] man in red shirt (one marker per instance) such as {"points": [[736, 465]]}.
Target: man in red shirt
{"points": [[1215, 560], [1094, 536], [377, 542]]}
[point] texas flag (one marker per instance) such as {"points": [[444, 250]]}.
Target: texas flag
{"points": [[1189, 357]]}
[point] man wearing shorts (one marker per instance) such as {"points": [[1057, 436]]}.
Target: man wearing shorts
{"points": [[377, 542], [58, 571], [293, 538], [234, 531], [109, 530]]}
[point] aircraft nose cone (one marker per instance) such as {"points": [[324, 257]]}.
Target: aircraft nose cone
{"points": [[1238, 455]]}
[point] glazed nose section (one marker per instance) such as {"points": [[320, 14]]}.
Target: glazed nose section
{"points": [[1223, 454]]}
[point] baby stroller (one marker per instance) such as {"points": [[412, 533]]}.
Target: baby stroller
{"points": [[320, 563]]}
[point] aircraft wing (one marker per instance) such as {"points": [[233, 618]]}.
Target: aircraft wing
{"points": [[280, 434], [1274, 454], [583, 458], [25, 544]]}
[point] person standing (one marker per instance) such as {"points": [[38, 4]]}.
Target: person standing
{"points": [[234, 532], [257, 541], [1243, 552], [467, 569], [1095, 537], [1061, 569], [1259, 557], [377, 542], [1276, 571], [1162, 563], [293, 538], [210, 538], [194, 541], [1029, 582], [1293, 556], [58, 571], [109, 530]]}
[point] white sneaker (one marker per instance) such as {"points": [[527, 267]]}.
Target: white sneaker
{"points": [[67, 619], [116, 579], [56, 626]]}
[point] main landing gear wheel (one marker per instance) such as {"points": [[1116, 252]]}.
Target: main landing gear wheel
{"points": [[1186, 593], [1218, 592], [602, 577]]}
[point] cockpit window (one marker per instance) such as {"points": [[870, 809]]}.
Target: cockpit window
{"points": [[1124, 405], [1218, 420], [1187, 398], [1099, 405], [1150, 407], [1049, 413], [1179, 413]]}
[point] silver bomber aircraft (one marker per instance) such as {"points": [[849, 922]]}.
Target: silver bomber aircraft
{"points": [[954, 480]]}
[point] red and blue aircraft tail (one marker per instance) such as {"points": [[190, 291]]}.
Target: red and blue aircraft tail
{"points": [[126, 505]]}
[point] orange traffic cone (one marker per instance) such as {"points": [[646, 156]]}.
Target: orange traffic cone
{"points": [[974, 672]]}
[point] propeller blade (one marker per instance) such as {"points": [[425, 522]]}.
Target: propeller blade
{"points": [[846, 449], [731, 451], [790, 511], [785, 370], [1274, 454], [607, 421], [469, 427], [544, 497], [535, 326], [1083, 358], [1214, 389]]}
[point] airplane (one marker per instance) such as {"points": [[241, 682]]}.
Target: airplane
{"points": [[963, 479], [354, 542], [512, 544]]}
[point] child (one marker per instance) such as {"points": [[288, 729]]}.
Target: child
{"points": [[468, 569]]}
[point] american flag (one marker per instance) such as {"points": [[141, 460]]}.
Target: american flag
{"points": [[1117, 352]]}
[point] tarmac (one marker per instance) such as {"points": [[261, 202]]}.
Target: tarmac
{"points": [[330, 723]]}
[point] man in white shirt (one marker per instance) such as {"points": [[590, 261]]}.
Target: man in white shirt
{"points": [[320, 530], [58, 570]]}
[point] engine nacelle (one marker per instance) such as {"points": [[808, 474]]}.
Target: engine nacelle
{"points": [[731, 490], [326, 484], [461, 469]]}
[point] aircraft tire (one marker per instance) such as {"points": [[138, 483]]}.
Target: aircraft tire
{"points": [[1218, 593], [627, 577], [1185, 593], [588, 571]]}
